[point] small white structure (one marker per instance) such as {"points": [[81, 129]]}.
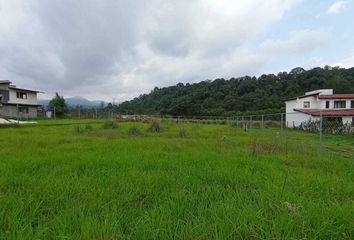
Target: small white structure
{"points": [[312, 105]]}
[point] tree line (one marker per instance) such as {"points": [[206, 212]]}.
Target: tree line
{"points": [[236, 96]]}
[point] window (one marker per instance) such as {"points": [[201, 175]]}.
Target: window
{"points": [[353, 122], [22, 95], [23, 110], [339, 104], [0, 99], [327, 104], [306, 104], [352, 104]]}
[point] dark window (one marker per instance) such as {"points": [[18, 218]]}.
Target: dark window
{"points": [[22, 95], [306, 104], [339, 104], [353, 122], [327, 104], [23, 110], [352, 104], [0, 99]]}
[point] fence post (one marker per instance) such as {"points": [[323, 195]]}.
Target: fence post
{"points": [[262, 121], [321, 131], [250, 122], [281, 123], [54, 112], [79, 111]]}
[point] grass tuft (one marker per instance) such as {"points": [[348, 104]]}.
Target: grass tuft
{"points": [[182, 132], [110, 125], [134, 131], [82, 128], [155, 125]]}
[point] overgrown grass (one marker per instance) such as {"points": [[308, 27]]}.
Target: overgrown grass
{"points": [[219, 183]]}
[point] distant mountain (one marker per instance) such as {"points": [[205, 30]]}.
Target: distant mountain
{"points": [[75, 101]]}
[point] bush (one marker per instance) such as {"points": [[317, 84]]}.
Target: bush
{"points": [[155, 125], [110, 125], [82, 128], [134, 131]]}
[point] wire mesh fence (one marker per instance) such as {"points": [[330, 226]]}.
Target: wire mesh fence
{"points": [[301, 128]]}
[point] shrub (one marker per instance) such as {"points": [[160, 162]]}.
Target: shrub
{"points": [[155, 125], [134, 131], [110, 125]]}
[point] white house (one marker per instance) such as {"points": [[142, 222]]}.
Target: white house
{"points": [[312, 105], [17, 102]]}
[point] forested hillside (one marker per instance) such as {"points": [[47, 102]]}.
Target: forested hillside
{"points": [[242, 95]]}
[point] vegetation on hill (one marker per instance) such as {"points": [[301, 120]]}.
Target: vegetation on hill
{"points": [[244, 95]]}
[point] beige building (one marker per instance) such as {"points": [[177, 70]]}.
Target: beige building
{"points": [[17, 102]]}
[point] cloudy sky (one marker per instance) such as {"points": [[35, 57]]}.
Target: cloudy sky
{"points": [[122, 48]]}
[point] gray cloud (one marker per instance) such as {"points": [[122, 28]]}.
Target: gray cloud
{"points": [[121, 48]]}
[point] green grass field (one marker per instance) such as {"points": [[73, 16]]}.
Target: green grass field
{"points": [[190, 181]]}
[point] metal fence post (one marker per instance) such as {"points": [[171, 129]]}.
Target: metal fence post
{"points": [[281, 123], [262, 121], [54, 112]]}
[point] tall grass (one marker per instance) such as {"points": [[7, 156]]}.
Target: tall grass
{"points": [[216, 184]]}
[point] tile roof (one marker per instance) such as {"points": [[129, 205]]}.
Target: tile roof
{"points": [[327, 113], [303, 96], [337, 96]]}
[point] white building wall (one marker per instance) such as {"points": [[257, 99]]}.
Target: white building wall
{"points": [[295, 119], [299, 103], [31, 97], [347, 120]]}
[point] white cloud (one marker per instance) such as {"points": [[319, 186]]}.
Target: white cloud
{"points": [[336, 7], [345, 63], [121, 48], [298, 42]]}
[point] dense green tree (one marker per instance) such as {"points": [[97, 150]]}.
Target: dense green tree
{"points": [[58, 105], [247, 94]]}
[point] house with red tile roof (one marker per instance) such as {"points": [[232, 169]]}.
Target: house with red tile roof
{"points": [[17, 102], [320, 103]]}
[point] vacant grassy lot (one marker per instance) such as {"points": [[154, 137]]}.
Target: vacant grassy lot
{"points": [[190, 181]]}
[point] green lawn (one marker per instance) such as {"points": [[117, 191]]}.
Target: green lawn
{"points": [[190, 181]]}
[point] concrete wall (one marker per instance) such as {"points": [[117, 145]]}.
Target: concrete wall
{"points": [[31, 97], [11, 111]]}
